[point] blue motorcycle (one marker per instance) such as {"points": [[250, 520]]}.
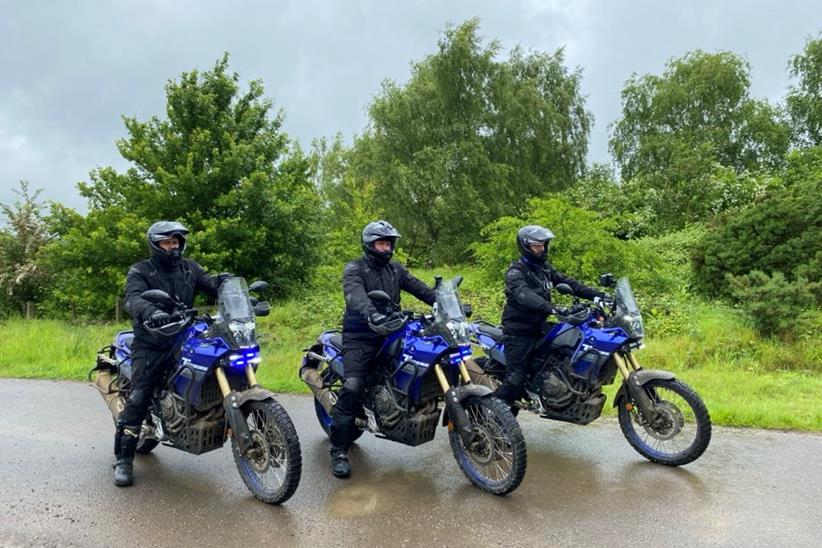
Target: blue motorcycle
{"points": [[661, 417], [422, 364], [212, 394]]}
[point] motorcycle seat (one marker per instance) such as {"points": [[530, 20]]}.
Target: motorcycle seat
{"points": [[493, 332]]}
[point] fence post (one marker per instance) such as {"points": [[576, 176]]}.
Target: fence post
{"points": [[30, 310]]}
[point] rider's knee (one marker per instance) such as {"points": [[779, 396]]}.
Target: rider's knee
{"points": [[354, 385]]}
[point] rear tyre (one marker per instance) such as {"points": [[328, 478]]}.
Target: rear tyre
{"points": [[497, 460], [272, 466]]}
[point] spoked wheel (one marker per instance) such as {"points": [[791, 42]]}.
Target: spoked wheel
{"points": [[496, 459], [681, 431], [272, 466]]}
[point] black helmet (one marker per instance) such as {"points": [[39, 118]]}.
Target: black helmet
{"points": [[162, 230], [533, 234], [379, 230]]}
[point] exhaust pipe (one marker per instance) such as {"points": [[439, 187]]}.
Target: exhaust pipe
{"points": [[111, 395], [311, 377]]}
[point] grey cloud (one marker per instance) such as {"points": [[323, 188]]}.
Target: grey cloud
{"points": [[72, 69]]}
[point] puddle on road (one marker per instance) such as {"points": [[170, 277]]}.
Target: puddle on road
{"points": [[385, 493]]}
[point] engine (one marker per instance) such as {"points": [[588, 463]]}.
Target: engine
{"points": [[386, 407], [413, 426], [579, 403], [174, 413], [203, 431], [554, 388]]}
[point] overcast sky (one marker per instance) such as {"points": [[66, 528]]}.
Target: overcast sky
{"points": [[69, 70]]}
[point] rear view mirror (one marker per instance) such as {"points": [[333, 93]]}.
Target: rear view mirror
{"points": [[468, 310], [262, 308], [564, 289], [259, 285], [607, 280], [159, 298], [379, 297]]}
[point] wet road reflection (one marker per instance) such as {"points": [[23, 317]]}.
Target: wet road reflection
{"points": [[584, 486]]}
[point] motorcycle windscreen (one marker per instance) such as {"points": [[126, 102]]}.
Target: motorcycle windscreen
{"points": [[236, 319], [627, 315], [449, 316]]}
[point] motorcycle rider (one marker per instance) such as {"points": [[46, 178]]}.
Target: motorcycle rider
{"points": [[528, 284], [181, 278], [365, 328]]}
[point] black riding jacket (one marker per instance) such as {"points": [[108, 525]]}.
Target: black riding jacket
{"points": [[181, 282], [528, 296], [365, 274]]}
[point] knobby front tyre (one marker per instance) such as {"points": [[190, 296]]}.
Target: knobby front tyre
{"points": [[680, 434], [497, 460], [272, 466]]}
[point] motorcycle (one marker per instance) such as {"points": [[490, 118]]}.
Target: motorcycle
{"points": [[423, 363], [212, 393], [661, 417]]}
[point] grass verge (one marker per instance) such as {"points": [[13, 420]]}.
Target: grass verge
{"points": [[745, 380]]}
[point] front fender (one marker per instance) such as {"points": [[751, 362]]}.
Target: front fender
{"points": [[233, 404], [238, 399], [465, 390], [640, 378]]}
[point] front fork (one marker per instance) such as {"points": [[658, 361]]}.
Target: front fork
{"points": [[456, 411], [646, 405], [236, 420]]}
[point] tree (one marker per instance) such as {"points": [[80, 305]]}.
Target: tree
{"points": [[584, 247], [779, 233], [680, 131], [804, 100], [220, 164], [469, 138], [22, 276], [347, 205]]}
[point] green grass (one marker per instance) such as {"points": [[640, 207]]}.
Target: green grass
{"points": [[744, 379]]}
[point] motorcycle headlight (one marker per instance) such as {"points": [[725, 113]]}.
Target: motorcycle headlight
{"points": [[458, 331], [633, 326], [243, 332]]}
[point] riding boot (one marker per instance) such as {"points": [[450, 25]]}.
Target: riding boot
{"points": [[339, 462], [125, 446]]}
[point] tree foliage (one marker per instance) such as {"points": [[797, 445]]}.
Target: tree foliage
{"points": [[347, 204], [22, 275], [680, 132], [218, 162], [468, 138], [779, 233], [804, 100], [584, 247]]}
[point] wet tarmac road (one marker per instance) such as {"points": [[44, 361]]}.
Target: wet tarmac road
{"points": [[585, 486]]}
